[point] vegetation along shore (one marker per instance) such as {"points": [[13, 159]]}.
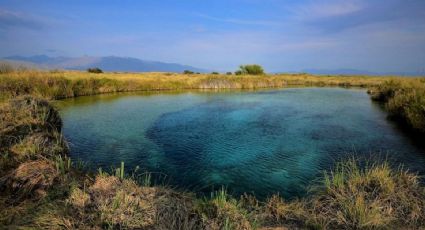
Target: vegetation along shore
{"points": [[42, 188]]}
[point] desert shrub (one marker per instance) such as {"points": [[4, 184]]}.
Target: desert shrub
{"points": [[238, 72], [94, 70], [229, 73], [215, 73], [253, 69]]}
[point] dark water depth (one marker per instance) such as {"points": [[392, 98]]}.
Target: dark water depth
{"points": [[262, 141]]}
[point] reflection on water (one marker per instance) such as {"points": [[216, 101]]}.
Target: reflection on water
{"points": [[259, 141]]}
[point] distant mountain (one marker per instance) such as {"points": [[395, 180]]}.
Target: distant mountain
{"points": [[359, 72], [110, 63]]}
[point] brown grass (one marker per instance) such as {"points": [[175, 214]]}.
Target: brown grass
{"points": [[351, 197], [115, 203], [57, 85], [404, 100], [30, 179]]}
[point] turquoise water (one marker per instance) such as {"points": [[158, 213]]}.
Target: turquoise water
{"points": [[260, 142]]}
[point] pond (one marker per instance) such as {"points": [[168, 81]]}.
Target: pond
{"points": [[259, 142]]}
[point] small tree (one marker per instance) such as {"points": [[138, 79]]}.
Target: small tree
{"points": [[229, 73], [238, 72], [187, 72], [253, 69], [94, 70], [215, 73]]}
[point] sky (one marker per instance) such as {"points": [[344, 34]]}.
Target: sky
{"points": [[281, 35]]}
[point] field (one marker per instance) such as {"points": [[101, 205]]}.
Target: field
{"points": [[42, 188]]}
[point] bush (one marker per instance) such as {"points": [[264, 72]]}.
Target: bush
{"points": [[215, 73], [94, 70], [229, 73], [238, 72], [188, 72], [251, 69]]}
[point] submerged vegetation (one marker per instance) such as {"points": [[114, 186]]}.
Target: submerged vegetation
{"points": [[41, 187]]}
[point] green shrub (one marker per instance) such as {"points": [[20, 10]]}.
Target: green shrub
{"points": [[238, 72], [253, 69], [94, 70], [188, 72], [229, 73], [215, 73]]}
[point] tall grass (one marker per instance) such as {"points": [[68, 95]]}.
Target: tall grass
{"points": [[404, 100], [58, 85], [357, 196]]}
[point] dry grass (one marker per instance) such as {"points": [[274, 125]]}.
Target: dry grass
{"points": [[29, 130], [404, 100], [30, 179], [351, 197], [122, 204], [221, 211], [57, 85]]}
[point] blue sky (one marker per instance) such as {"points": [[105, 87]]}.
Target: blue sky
{"points": [[285, 35]]}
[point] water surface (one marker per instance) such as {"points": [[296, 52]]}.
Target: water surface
{"points": [[262, 142]]}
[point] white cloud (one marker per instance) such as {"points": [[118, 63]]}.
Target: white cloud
{"points": [[240, 21], [320, 9]]}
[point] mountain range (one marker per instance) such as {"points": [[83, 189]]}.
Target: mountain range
{"points": [[128, 64], [109, 63], [360, 72]]}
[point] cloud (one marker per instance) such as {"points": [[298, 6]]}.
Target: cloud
{"points": [[320, 10], [51, 50], [240, 21], [336, 16], [9, 19]]}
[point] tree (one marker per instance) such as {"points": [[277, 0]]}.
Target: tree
{"points": [[253, 69], [229, 73], [188, 72], [94, 70], [238, 72]]}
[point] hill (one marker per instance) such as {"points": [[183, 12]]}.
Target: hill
{"points": [[109, 63]]}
